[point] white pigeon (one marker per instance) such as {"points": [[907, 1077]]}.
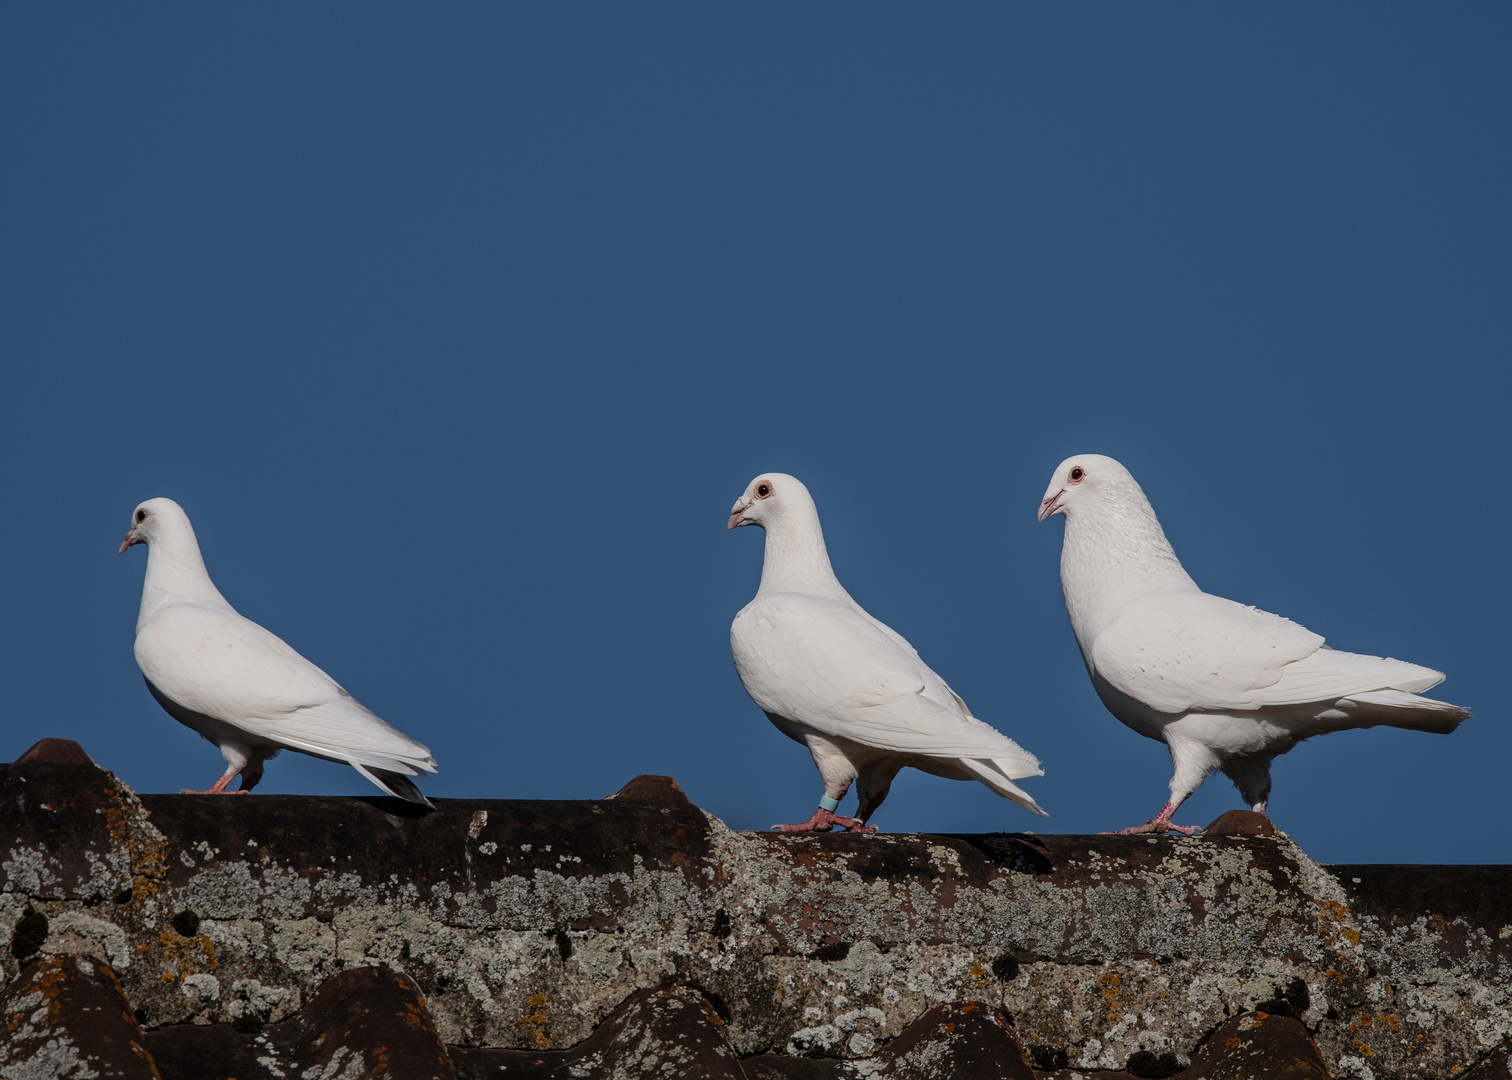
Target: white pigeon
{"points": [[849, 688], [240, 686], [1223, 685]]}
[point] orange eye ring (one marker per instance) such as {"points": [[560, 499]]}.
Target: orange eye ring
{"points": [[1077, 474], [141, 516], [764, 490]]}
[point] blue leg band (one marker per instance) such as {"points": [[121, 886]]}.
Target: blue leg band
{"points": [[830, 804]]}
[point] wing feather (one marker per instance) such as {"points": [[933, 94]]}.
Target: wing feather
{"points": [[1192, 651], [1188, 650], [832, 667], [211, 660]]}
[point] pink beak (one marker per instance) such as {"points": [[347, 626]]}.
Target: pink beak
{"points": [[1051, 502], [740, 507], [131, 538]]}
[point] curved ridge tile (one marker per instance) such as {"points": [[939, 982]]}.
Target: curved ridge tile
{"points": [[368, 1023], [65, 1018], [669, 1033]]}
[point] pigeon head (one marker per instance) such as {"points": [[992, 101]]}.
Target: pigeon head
{"points": [[151, 519], [1083, 480], [795, 557], [770, 499]]}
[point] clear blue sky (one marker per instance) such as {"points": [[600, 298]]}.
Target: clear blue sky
{"points": [[457, 331]]}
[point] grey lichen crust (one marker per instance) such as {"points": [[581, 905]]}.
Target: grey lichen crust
{"points": [[526, 924]]}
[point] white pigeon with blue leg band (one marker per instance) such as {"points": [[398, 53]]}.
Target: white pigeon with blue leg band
{"points": [[848, 687]]}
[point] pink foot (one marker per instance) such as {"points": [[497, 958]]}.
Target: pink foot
{"points": [[823, 821], [217, 788], [1155, 827], [1160, 823]]}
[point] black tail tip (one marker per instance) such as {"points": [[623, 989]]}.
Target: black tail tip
{"points": [[401, 787]]}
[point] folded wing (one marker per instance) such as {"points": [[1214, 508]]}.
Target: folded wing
{"points": [[833, 667], [1192, 651], [210, 659]]}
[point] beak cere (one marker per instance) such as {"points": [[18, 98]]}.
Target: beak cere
{"points": [[1050, 504], [131, 538], [736, 520]]}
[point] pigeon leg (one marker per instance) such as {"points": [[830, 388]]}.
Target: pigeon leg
{"points": [[873, 782], [219, 787], [1161, 823], [864, 812], [1252, 777], [823, 821], [251, 773]]}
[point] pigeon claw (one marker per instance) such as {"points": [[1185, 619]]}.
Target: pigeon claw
{"points": [[212, 791], [1160, 823], [1155, 828], [823, 821], [219, 787]]}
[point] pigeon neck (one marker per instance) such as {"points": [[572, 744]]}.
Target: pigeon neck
{"points": [[175, 571], [1111, 557], [796, 559]]}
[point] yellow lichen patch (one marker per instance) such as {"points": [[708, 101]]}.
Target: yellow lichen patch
{"points": [[1111, 989], [979, 973], [184, 956], [535, 1021], [1419, 1043], [1333, 916], [712, 1016], [416, 1015], [45, 982], [1385, 1020], [1361, 1024], [147, 853]]}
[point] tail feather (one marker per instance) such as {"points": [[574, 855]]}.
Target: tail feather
{"points": [[1397, 708], [410, 766], [995, 776], [1328, 675], [396, 784]]}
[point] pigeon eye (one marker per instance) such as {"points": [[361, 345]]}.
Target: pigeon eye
{"points": [[1078, 474], [763, 490], [141, 516]]}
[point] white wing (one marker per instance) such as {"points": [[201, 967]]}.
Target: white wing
{"points": [[830, 666], [209, 659], [1182, 651]]}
